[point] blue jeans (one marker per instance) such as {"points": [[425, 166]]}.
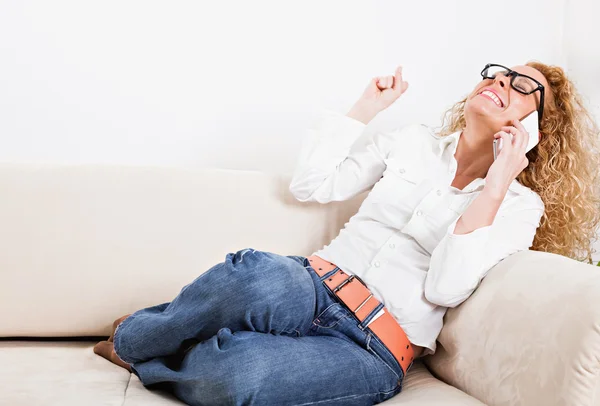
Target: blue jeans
{"points": [[258, 329]]}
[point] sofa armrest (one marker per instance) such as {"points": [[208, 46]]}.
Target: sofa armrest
{"points": [[529, 335]]}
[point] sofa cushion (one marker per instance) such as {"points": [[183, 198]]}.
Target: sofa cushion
{"points": [[529, 335], [85, 244], [69, 373]]}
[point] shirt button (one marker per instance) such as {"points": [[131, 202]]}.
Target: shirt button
{"points": [[392, 245], [376, 263], [438, 192], [419, 212], [401, 170]]}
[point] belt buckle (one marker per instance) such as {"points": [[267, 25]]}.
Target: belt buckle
{"points": [[341, 285], [348, 280]]}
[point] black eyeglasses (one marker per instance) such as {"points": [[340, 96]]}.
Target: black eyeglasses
{"points": [[521, 83]]}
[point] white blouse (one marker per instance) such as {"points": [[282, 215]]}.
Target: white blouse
{"points": [[401, 242]]}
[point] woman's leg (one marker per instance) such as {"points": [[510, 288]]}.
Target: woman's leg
{"points": [[254, 368], [251, 290]]}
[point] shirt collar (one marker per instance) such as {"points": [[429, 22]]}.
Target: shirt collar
{"points": [[450, 139]]}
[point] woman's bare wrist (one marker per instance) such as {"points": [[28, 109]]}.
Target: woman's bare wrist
{"points": [[497, 196], [362, 112]]}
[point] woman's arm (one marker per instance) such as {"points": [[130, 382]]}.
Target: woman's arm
{"points": [[481, 213], [330, 166], [482, 237], [503, 171], [478, 240]]}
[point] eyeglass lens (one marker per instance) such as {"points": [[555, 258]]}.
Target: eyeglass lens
{"points": [[520, 83]]}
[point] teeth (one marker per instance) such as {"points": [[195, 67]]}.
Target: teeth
{"points": [[493, 96]]}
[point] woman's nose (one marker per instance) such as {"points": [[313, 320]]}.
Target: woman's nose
{"points": [[501, 79]]}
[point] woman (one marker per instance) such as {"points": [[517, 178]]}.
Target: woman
{"points": [[342, 326]]}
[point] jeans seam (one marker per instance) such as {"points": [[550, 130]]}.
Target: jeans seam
{"points": [[327, 308], [372, 351], [334, 324], [385, 348]]}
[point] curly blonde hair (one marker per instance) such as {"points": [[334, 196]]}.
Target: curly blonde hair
{"points": [[563, 169]]}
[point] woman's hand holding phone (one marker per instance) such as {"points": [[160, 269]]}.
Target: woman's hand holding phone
{"points": [[379, 94], [511, 159], [530, 123]]}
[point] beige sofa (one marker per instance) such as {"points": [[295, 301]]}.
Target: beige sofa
{"points": [[83, 245]]}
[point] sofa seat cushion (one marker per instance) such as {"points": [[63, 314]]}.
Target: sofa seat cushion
{"points": [[68, 373]]}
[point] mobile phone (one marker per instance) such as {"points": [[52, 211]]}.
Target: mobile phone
{"points": [[531, 126]]}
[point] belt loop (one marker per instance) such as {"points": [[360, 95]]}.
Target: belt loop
{"points": [[368, 319], [328, 274]]}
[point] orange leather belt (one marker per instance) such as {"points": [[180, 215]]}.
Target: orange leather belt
{"points": [[355, 295]]}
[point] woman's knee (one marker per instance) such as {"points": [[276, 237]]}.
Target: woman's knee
{"points": [[266, 270]]}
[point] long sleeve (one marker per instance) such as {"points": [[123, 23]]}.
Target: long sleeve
{"points": [[331, 166], [460, 262]]}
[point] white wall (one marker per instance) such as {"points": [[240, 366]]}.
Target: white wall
{"points": [[582, 53], [582, 48], [234, 84]]}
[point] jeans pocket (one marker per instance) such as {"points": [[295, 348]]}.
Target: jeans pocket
{"points": [[379, 350], [331, 316]]}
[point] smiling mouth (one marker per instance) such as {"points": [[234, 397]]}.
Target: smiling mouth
{"points": [[497, 103]]}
